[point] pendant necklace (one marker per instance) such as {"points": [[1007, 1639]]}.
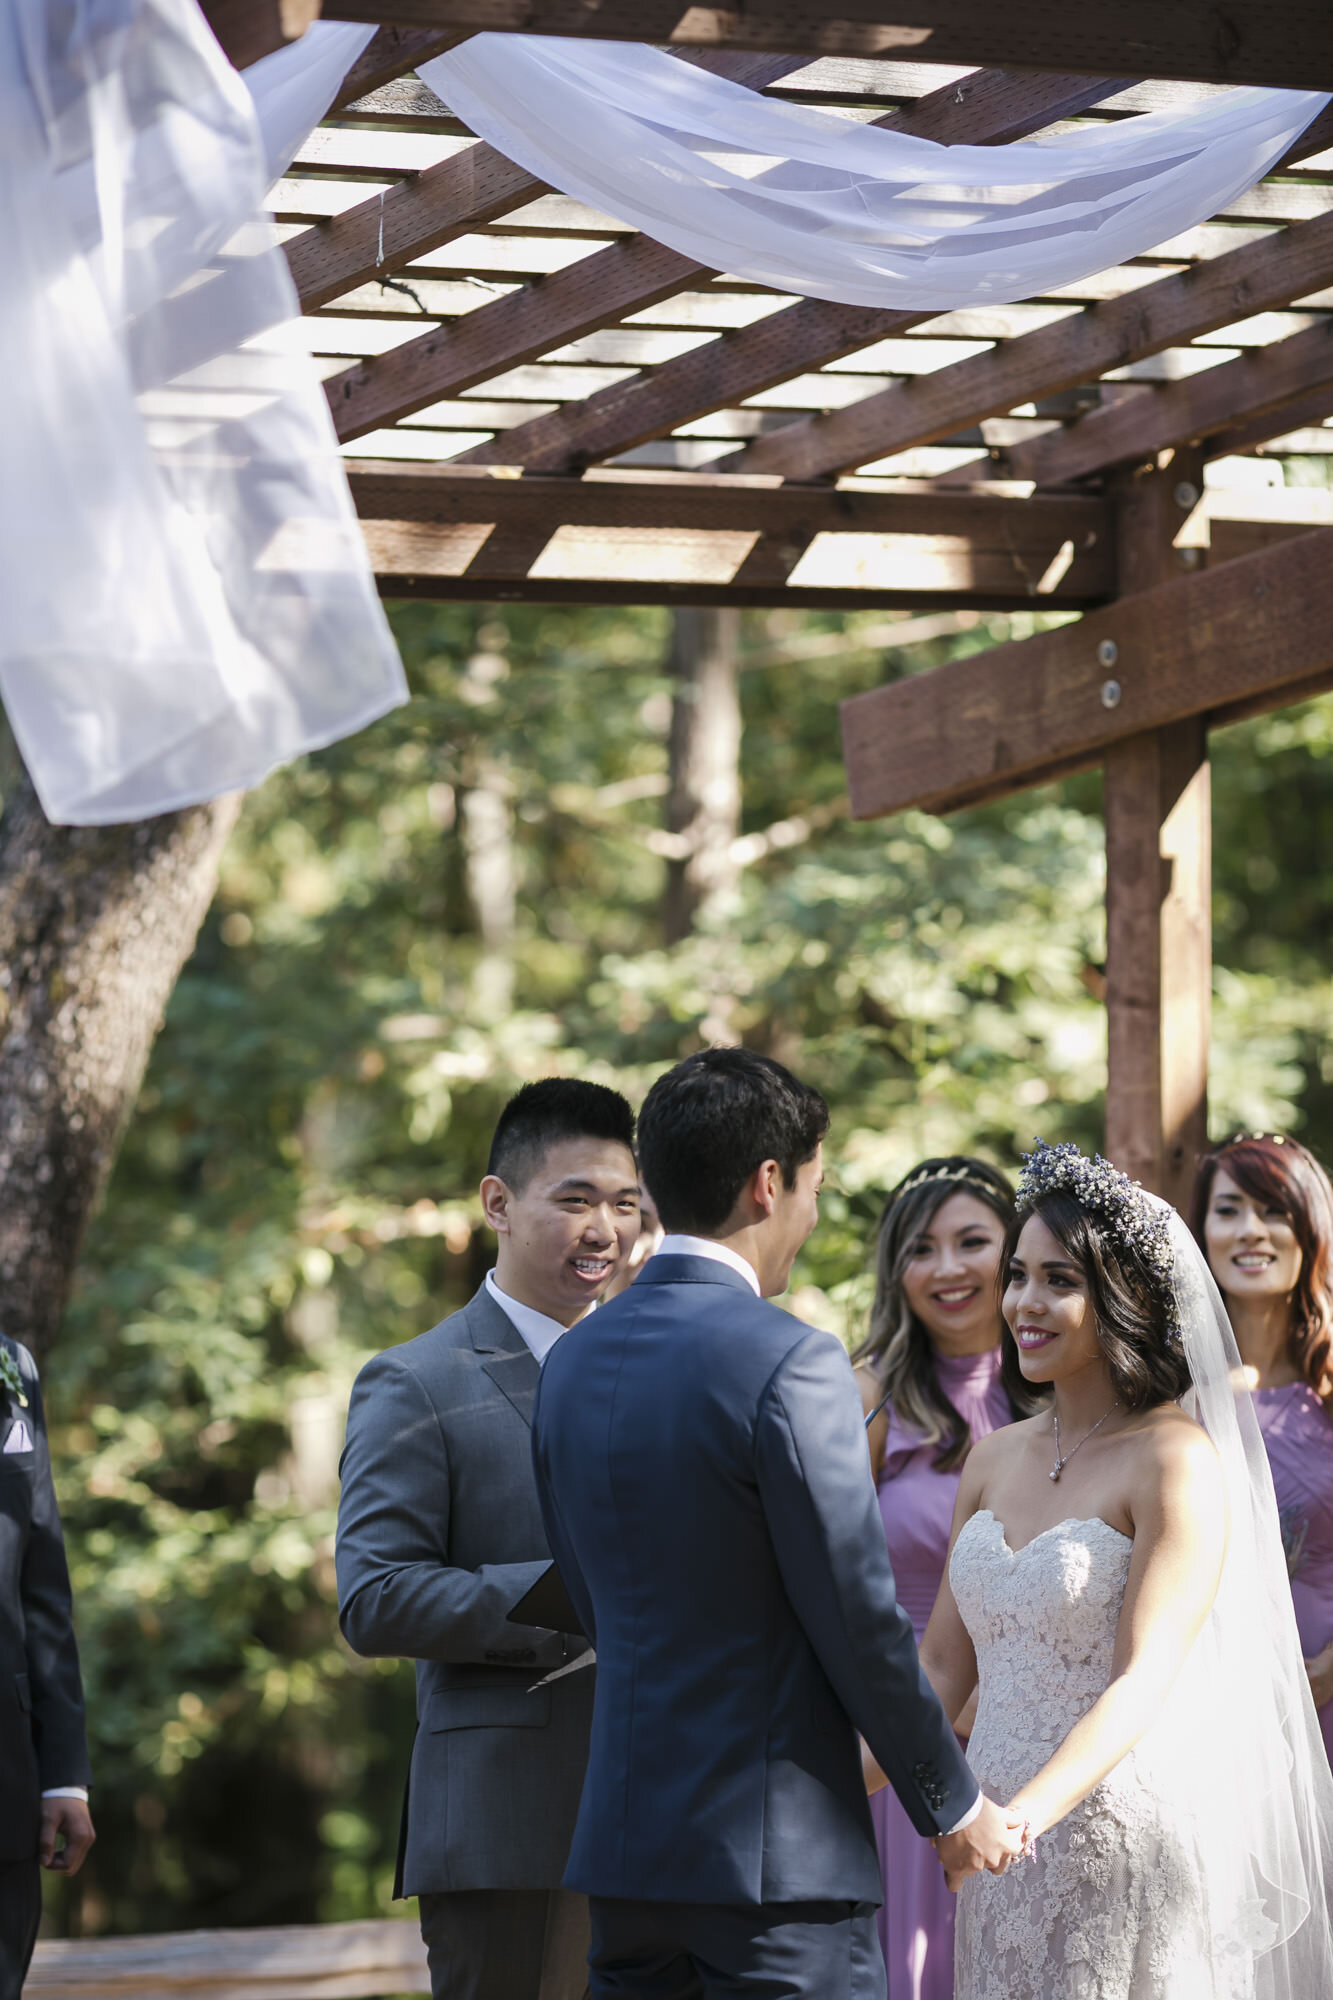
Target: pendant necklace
{"points": [[1062, 1462]]}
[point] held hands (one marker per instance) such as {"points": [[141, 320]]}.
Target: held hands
{"points": [[992, 1841], [70, 1820]]}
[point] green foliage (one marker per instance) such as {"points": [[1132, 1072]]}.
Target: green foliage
{"points": [[298, 1186]]}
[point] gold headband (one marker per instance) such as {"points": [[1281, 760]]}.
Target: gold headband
{"points": [[929, 1174]]}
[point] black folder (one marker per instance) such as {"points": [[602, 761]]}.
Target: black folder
{"points": [[547, 1604]]}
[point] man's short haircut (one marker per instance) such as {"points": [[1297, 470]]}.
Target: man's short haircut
{"points": [[708, 1123], [542, 1114]]}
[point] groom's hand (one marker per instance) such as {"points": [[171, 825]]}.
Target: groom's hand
{"points": [[991, 1841]]}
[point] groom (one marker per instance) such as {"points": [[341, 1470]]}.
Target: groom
{"points": [[704, 1482]]}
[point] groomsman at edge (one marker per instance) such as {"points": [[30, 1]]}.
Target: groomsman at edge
{"points": [[440, 1535], [44, 1818], [704, 1478]]}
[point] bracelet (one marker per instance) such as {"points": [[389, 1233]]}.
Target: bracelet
{"points": [[1027, 1849]]}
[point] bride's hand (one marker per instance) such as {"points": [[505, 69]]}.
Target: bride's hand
{"points": [[875, 1779], [990, 1841]]}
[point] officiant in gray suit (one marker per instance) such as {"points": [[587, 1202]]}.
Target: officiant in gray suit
{"points": [[440, 1535]]}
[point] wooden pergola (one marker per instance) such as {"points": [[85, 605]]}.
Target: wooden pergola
{"points": [[539, 403]]}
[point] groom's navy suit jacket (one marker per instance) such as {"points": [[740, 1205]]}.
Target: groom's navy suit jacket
{"points": [[707, 1494]]}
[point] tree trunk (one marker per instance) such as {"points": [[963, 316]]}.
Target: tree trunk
{"points": [[95, 925], [492, 880], [704, 801]]}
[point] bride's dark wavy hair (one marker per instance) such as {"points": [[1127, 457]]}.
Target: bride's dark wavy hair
{"points": [[1143, 1353]]}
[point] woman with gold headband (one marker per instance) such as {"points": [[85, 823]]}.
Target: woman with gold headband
{"points": [[929, 1371]]}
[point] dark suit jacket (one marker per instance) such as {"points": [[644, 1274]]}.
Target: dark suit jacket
{"points": [[439, 1535], [707, 1492], [43, 1742]]}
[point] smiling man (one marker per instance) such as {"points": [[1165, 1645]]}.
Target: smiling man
{"points": [[440, 1535]]}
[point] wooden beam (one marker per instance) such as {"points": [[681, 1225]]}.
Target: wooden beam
{"points": [[417, 215], [987, 109], [1260, 383], [391, 54], [1288, 265], [1157, 802], [1252, 431], [1157, 805], [623, 278], [443, 531], [1243, 41], [981, 728], [249, 29]]}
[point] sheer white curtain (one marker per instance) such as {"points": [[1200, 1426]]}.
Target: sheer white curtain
{"points": [[808, 202], [187, 598], [294, 87]]}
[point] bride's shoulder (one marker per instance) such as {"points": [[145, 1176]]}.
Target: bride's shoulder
{"points": [[1010, 1441], [1174, 1454]]}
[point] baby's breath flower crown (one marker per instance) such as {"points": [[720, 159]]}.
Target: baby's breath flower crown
{"points": [[1130, 1213]]}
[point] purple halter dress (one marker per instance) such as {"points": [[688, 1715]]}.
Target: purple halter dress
{"points": [[916, 1503], [1299, 1439]]}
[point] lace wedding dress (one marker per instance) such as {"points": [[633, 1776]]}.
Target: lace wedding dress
{"points": [[1133, 1896]]}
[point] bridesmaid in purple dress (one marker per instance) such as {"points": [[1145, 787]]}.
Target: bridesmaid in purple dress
{"points": [[930, 1366], [1263, 1212]]}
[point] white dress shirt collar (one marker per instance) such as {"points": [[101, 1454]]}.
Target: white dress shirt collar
{"points": [[706, 1246], [538, 1331]]}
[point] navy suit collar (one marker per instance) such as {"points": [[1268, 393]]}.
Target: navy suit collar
{"points": [[668, 1270]]}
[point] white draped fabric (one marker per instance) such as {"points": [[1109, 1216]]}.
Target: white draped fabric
{"points": [[808, 202], [187, 597], [294, 87]]}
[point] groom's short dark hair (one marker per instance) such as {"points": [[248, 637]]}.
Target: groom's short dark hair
{"points": [[542, 1114], [709, 1122]]}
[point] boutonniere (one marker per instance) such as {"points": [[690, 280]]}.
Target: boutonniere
{"points": [[11, 1379]]}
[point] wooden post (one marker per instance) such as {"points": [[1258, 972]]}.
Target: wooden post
{"points": [[1158, 882]]}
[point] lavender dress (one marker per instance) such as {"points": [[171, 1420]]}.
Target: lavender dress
{"points": [[1299, 1438], [916, 1502]]}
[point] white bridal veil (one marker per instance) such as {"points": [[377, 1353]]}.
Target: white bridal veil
{"points": [[1255, 1738]]}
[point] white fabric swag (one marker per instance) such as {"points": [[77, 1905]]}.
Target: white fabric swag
{"points": [[808, 202], [187, 596]]}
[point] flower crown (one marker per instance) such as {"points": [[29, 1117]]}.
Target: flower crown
{"points": [[1132, 1215]]}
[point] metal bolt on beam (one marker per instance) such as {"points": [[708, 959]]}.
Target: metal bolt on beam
{"points": [[1110, 694]]}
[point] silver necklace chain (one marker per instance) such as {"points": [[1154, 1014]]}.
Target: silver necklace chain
{"points": [[1062, 1462]]}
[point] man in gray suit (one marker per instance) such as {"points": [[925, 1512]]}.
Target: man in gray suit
{"points": [[440, 1535]]}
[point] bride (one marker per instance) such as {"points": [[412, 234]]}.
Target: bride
{"points": [[1116, 1593]]}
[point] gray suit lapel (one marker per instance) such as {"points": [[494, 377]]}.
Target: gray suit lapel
{"points": [[509, 1361]]}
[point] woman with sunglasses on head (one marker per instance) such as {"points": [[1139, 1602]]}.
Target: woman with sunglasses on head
{"points": [[1263, 1214], [929, 1371]]}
